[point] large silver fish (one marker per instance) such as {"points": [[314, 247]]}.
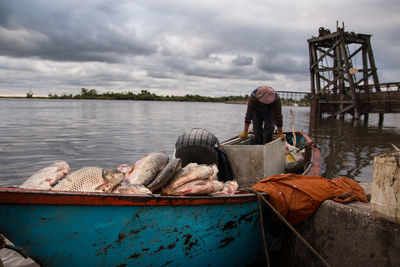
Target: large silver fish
{"points": [[230, 188], [45, 178], [196, 188], [131, 189], [146, 169], [164, 176], [193, 172], [90, 179]]}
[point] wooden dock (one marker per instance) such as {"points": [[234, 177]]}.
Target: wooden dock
{"points": [[344, 77]]}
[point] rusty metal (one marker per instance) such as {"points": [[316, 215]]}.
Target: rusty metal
{"points": [[27, 196]]}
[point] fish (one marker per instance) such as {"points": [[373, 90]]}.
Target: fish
{"points": [[90, 179], [132, 189], [46, 178], [112, 179], [185, 170], [145, 170], [195, 188], [194, 172], [124, 168], [164, 176], [230, 188]]}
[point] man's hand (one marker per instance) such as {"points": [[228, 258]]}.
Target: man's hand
{"points": [[243, 135], [282, 135]]}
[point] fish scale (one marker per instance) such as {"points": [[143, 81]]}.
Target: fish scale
{"points": [[85, 179], [146, 169]]}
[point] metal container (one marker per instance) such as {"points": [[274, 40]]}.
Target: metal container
{"points": [[251, 163]]}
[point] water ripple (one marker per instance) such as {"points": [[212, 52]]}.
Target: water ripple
{"points": [[35, 132]]}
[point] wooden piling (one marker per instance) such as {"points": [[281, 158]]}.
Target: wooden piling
{"points": [[344, 77]]}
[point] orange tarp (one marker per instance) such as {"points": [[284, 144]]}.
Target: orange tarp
{"points": [[296, 197]]}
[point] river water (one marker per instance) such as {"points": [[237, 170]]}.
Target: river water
{"points": [[106, 133]]}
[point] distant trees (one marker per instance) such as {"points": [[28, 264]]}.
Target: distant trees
{"points": [[147, 95], [85, 93]]}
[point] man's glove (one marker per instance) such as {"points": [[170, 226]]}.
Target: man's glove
{"points": [[243, 135], [281, 135]]}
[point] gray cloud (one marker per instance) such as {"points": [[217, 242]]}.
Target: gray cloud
{"points": [[281, 63], [242, 60], [68, 32], [178, 45]]}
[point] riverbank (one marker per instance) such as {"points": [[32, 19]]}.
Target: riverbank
{"points": [[146, 95], [24, 96]]}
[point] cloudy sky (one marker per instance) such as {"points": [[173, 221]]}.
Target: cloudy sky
{"points": [[213, 48]]}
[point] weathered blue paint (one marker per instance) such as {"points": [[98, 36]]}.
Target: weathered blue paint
{"points": [[145, 235]]}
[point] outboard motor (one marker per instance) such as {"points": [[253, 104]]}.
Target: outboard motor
{"points": [[202, 147]]}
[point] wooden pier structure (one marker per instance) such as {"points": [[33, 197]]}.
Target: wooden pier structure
{"points": [[292, 95], [344, 77]]}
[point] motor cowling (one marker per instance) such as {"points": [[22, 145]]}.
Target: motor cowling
{"points": [[202, 147]]}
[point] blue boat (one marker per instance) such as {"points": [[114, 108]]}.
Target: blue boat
{"points": [[90, 229], [100, 229]]}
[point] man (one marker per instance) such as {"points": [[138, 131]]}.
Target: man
{"points": [[265, 109]]}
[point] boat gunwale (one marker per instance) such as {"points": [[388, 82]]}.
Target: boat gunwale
{"points": [[11, 195]]}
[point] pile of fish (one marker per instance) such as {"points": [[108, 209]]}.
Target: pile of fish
{"points": [[152, 174]]}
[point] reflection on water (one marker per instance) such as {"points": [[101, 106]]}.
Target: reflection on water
{"points": [[349, 146], [35, 132]]}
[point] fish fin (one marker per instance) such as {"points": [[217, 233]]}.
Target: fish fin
{"points": [[103, 186], [107, 186], [396, 148], [132, 168], [54, 183]]}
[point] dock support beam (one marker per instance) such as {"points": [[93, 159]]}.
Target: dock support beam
{"points": [[381, 115]]}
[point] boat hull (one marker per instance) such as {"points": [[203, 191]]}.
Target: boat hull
{"points": [[123, 230]]}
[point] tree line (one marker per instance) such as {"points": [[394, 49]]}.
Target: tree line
{"points": [[146, 95]]}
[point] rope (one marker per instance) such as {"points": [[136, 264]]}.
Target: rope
{"points": [[262, 230], [3, 244], [287, 224], [18, 249]]}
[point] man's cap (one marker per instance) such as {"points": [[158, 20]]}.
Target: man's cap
{"points": [[265, 94]]}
